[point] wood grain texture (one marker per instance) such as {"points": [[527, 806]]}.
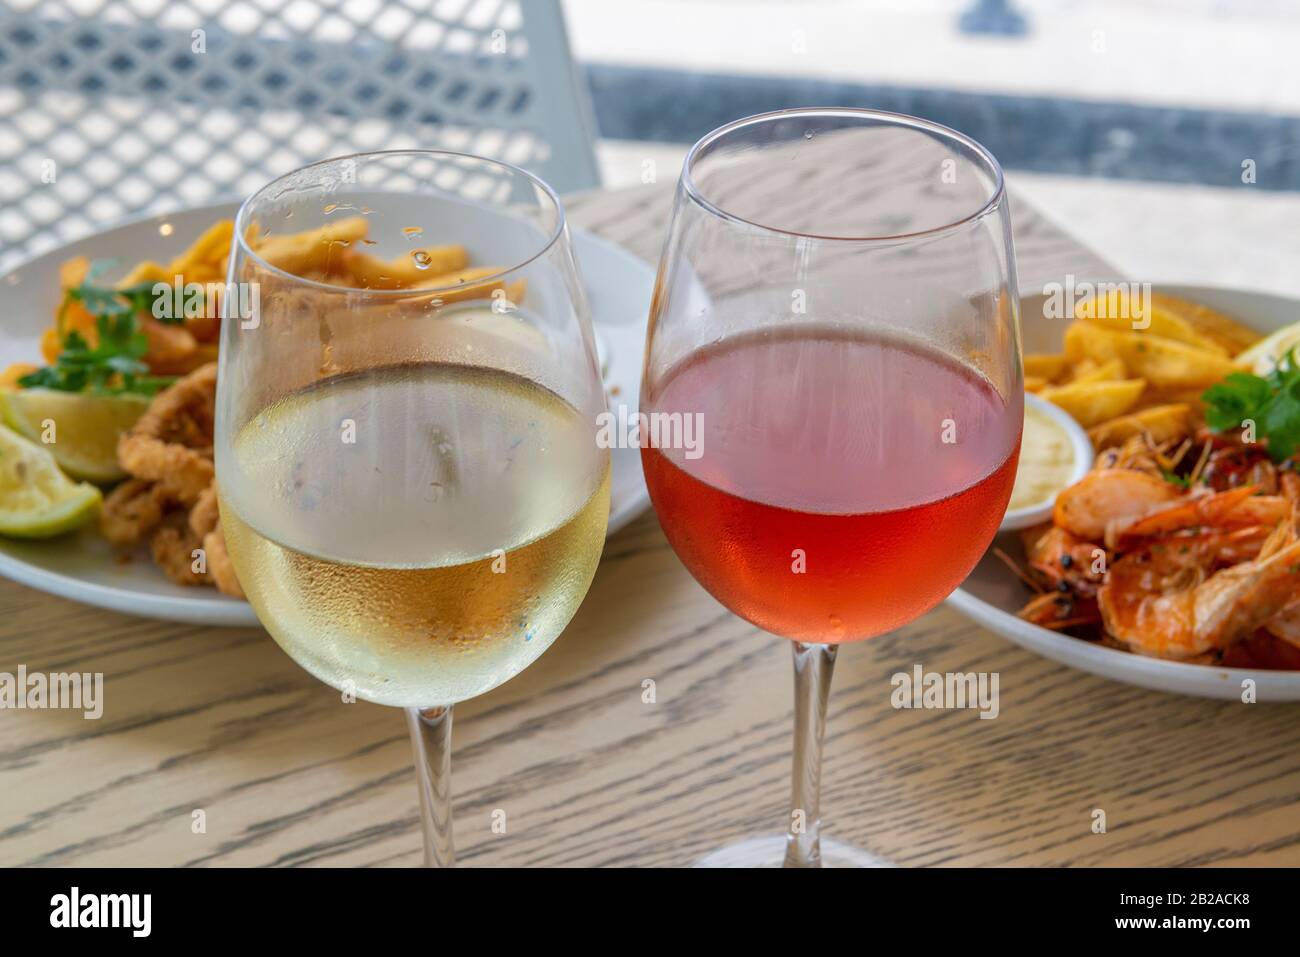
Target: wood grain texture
{"points": [[587, 774]]}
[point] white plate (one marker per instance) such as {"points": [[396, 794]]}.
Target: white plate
{"points": [[83, 567], [992, 594]]}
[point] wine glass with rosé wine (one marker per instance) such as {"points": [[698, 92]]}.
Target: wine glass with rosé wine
{"points": [[410, 483], [836, 307]]}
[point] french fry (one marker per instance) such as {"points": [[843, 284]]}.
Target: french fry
{"points": [[1091, 403], [73, 272], [316, 249], [1035, 383], [370, 272], [68, 315], [1046, 367], [468, 285], [1211, 324], [1161, 422], [76, 318], [146, 271], [1174, 395], [51, 345], [206, 251], [1092, 371], [1121, 312], [13, 372], [455, 277], [1163, 362]]}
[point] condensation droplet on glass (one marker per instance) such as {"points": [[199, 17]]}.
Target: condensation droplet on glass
{"points": [[422, 259], [412, 232], [808, 134], [330, 207]]}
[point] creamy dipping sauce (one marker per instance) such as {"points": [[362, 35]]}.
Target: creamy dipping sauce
{"points": [[1046, 461]]}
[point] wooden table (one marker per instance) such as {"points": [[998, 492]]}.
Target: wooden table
{"points": [[221, 720]]}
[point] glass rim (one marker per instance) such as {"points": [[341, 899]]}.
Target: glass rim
{"points": [[886, 117], [246, 206]]}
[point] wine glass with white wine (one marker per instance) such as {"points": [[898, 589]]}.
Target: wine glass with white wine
{"points": [[410, 484]]}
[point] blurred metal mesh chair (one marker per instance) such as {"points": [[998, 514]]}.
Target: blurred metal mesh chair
{"points": [[114, 108]]}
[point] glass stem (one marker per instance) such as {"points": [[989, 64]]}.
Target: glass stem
{"points": [[431, 740], [813, 666]]}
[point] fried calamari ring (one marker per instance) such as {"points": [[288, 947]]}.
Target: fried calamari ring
{"points": [[205, 521], [205, 515], [132, 511], [171, 444], [220, 568], [173, 548]]}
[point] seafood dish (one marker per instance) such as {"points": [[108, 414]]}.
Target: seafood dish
{"points": [[1182, 542]]}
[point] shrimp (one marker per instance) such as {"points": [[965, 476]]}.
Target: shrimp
{"points": [[1167, 605], [1134, 454], [1240, 465], [1059, 610], [1262, 651], [1060, 557], [1235, 508], [1214, 546], [1103, 496], [1286, 624], [1289, 486]]}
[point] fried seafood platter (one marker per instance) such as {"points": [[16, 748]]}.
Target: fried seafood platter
{"points": [[107, 412], [1182, 542]]}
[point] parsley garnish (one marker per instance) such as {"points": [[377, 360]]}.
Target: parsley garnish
{"points": [[1272, 402], [115, 364]]}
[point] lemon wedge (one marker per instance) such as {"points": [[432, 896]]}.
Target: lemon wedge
{"points": [[1264, 355], [36, 499], [79, 429]]}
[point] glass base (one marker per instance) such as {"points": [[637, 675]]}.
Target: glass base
{"points": [[768, 850]]}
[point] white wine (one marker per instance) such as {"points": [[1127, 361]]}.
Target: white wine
{"points": [[417, 534]]}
